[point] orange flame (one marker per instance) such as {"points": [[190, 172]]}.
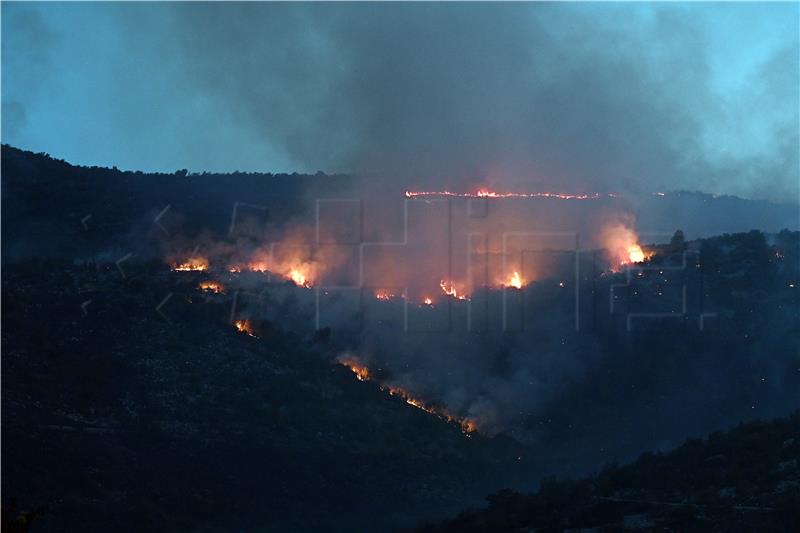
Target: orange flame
{"points": [[622, 244], [515, 281], [297, 271], [211, 286], [486, 193], [635, 254], [384, 294], [362, 374], [192, 264], [299, 278], [427, 301], [245, 327], [449, 288]]}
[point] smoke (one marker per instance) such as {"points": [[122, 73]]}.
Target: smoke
{"points": [[531, 97], [565, 97]]}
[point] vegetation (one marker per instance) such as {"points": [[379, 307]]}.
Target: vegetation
{"points": [[747, 479]]}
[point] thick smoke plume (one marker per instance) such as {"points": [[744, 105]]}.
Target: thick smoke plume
{"points": [[560, 97]]}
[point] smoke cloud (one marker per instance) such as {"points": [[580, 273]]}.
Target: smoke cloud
{"points": [[577, 98]]}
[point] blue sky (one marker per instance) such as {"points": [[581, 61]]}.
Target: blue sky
{"points": [[569, 96]]}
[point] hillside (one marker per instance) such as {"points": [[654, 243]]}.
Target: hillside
{"points": [[54, 209], [118, 417], [746, 479], [46, 203]]}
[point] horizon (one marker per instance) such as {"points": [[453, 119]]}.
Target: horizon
{"points": [[474, 193]]}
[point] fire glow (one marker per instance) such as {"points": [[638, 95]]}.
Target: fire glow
{"points": [[635, 254], [486, 193], [623, 246], [192, 264], [384, 294], [362, 373], [211, 286], [449, 288], [299, 278], [244, 326], [298, 272], [515, 281]]}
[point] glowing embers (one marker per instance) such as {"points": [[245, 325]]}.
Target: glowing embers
{"points": [[362, 373], [299, 272], [192, 264], [449, 288], [244, 326], [385, 294], [486, 193], [212, 286]]}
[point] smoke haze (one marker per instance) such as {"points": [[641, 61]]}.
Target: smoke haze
{"points": [[577, 98]]}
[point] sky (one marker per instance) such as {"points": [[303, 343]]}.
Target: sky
{"points": [[570, 97]]}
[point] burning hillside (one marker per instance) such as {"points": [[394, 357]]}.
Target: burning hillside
{"points": [[486, 193], [362, 373], [244, 326], [621, 243], [192, 264], [212, 286]]}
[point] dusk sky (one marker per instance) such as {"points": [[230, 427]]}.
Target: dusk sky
{"points": [[573, 97]]}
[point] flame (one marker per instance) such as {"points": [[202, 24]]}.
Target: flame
{"points": [[635, 253], [515, 281], [299, 278], [245, 327], [622, 244], [384, 294], [362, 373], [486, 193], [211, 286], [192, 264], [427, 301], [295, 270], [449, 288]]}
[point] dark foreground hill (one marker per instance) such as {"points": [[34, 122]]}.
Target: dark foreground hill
{"points": [[746, 479], [120, 416]]}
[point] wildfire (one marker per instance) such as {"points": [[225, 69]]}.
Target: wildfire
{"points": [[515, 281], [486, 193], [383, 294], [635, 254], [245, 327], [300, 274], [299, 278], [211, 286], [192, 264], [362, 374], [449, 288], [623, 246], [428, 301]]}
